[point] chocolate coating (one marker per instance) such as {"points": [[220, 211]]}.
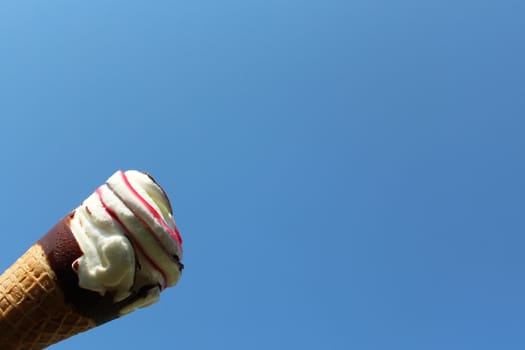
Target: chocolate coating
{"points": [[62, 249]]}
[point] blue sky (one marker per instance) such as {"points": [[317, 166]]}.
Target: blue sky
{"points": [[345, 174]]}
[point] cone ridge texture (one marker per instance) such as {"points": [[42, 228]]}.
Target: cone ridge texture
{"points": [[33, 312]]}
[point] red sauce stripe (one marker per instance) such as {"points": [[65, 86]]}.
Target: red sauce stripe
{"points": [[130, 236], [144, 223], [173, 233]]}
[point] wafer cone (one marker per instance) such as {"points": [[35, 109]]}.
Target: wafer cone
{"points": [[33, 311]]}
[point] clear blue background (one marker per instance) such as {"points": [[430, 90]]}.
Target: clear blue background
{"points": [[345, 174]]}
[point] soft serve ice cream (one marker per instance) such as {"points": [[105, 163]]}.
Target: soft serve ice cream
{"points": [[128, 238]]}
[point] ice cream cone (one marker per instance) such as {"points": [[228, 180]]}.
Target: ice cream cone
{"points": [[33, 312], [111, 255]]}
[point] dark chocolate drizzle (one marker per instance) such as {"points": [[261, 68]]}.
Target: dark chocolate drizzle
{"points": [[161, 189], [62, 250]]}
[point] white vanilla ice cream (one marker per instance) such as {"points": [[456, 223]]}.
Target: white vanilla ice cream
{"points": [[128, 238]]}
